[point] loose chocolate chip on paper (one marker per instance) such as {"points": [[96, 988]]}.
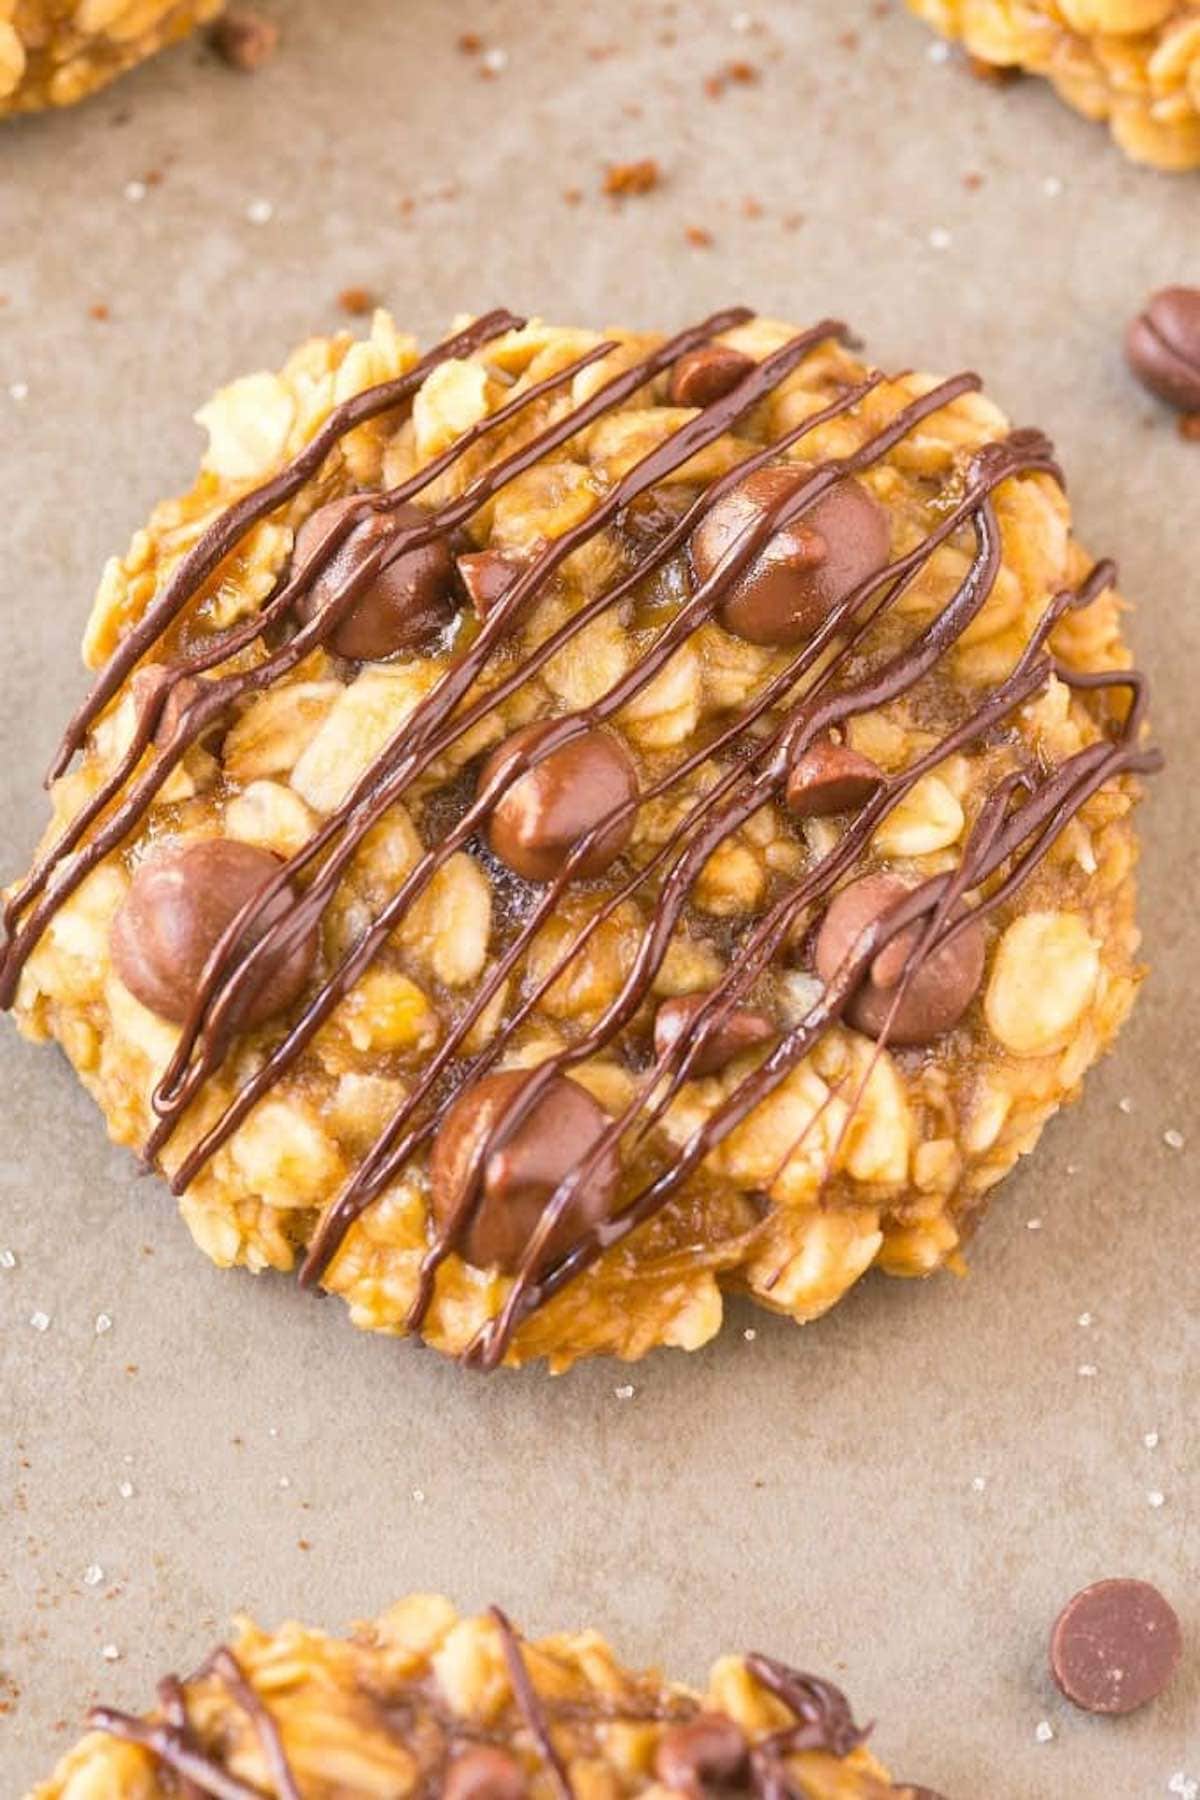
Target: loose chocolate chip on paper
{"points": [[1163, 347], [1115, 1646]]}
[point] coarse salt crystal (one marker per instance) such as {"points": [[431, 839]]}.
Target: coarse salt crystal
{"points": [[1087, 1369], [1085, 1318], [1183, 1786], [103, 1324], [1151, 1440], [1033, 1224], [1156, 1497], [260, 212], [1052, 187], [18, 390], [495, 59], [938, 53], [1043, 1731], [93, 1575], [135, 191], [624, 1393], [749, 1334], [1125, 1104], [979, 1482], [1173, 1138], [110, 1653], [126, 1490], [40, 1321], [8, 1259], [418, 1495], [940, 238]]}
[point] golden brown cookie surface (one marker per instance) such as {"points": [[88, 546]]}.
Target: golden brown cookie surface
{"points": [[375, 887], [54, 52], [422, 1702], [1133, 63]]}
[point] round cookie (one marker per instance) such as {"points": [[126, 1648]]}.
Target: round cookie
{"points": [[539, 853], [54, 52], [1133, 63], [422, 1702]]}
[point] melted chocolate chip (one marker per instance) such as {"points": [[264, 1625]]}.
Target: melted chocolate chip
{"points": [[177, 908], [707, 1751], [1163, 347], [485, 575], [706, 374], [409, 601], [939, 991], [518, 1177], [1115, 1646], [740, 1031], [805, 569], [830, 778], [484, 1773], [543, 815]]}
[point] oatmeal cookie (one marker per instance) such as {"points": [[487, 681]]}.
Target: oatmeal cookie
{"points": [[1135, 63], [568, 824], [422, 1702], [54, 52]]}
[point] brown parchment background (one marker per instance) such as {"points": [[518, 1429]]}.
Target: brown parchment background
{"points": [[808, 1493]]}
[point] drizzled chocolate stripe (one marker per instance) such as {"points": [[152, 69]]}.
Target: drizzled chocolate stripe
{"points": [[823, 1722], [525, 1695], [172, 1741], [225, 533], [446, 714]]}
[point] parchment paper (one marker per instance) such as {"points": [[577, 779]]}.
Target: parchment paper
{"points": [[900, 1496]]}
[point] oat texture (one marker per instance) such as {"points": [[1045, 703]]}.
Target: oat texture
{"points": [[864, 1154], [1134, 63], [54, 52], [382, 1714]]}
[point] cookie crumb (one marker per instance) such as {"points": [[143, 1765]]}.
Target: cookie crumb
{"points": [[244, 40], [698, 237], [994, 74], [356, 301], [99, 311], [1189, 427], [469, 43], [622, 179]]}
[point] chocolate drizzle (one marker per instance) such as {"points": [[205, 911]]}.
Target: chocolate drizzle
{"points": [[184, 701], [822, 1715]]}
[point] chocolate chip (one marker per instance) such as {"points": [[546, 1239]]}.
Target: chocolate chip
{"points": [[706, 374], [708, 1751], [939, 992], [740, 1031], [1163, 347], [408, 602], [545, 813], [518, 1178], [486, 574], [1115, 1646], [484, 1773], [245, 40], [179, 905], [805, 569], [829, 778]]}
